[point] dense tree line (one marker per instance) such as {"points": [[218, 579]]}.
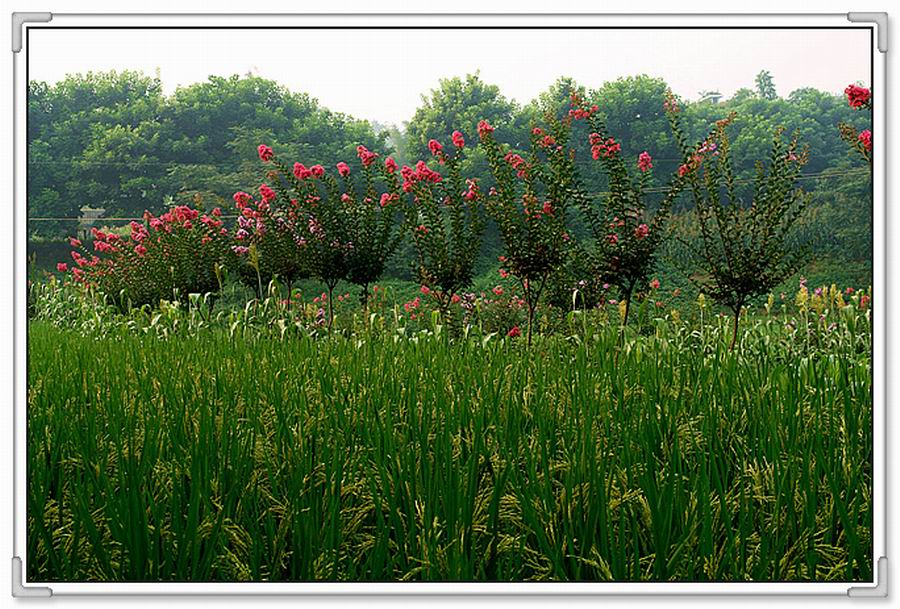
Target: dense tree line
{"points": [[115, 141]]}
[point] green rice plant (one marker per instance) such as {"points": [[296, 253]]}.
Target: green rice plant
{"points": [[233, 452]]}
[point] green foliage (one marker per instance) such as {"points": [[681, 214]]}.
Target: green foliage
{"points": [[765, 85], [744, 251], [112, 140], [93, 141], [459, 104]]}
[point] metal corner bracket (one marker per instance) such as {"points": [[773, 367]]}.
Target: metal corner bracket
{"points": [[880, 590], [879, 19], [19, 590], [18, 20]]}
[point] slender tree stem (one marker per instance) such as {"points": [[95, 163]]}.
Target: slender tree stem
{"points": [[737, 317], [530, 321]]}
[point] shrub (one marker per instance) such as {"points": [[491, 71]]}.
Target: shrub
{"points": [[270, 247], [338, 234], [181, 252]]}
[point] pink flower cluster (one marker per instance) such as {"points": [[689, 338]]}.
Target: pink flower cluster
{"points": [[865, 138], [518, 163], [472, 192], [696, 159], [457, 138], [645, 161], [268, 195], [579, 113], [265, 153], [484, 128], [546, 140], [607, 149], [366, 156], [422, 173], [389, 198], [301, 172]]}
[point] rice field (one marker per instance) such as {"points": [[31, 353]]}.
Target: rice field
{"points": [[370, 456]]}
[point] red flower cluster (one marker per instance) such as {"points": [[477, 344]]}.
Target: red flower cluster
{"points": [[301, 172], [865, 138], [388, 198], [599, 148], [267, 193], [579, 111], [366, 156], [518, 163], [343, 169], [390, 165], [265, 153], [472, 193], [696, 159], [484, 128], [858, 97], [645, 161], [422, 173], [457, 138]]}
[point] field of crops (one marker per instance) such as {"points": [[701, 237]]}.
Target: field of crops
{"points": [[379, 455]]}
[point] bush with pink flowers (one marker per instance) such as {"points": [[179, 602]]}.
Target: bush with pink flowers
{"points": [[183, 251], [266, 244], [529, 204], [446, 220]]}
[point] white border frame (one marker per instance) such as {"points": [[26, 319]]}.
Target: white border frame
{"points": [[474, 588]]}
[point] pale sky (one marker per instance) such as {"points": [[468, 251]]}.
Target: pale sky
{"points": [[381, 74]]}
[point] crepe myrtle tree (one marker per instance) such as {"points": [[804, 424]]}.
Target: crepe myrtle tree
{"points": [[625, 235], [529, 205], [342, 233], [321, 226], [858, 98], [445, 216], [744, 251], [267, 243], [373, 219]]}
